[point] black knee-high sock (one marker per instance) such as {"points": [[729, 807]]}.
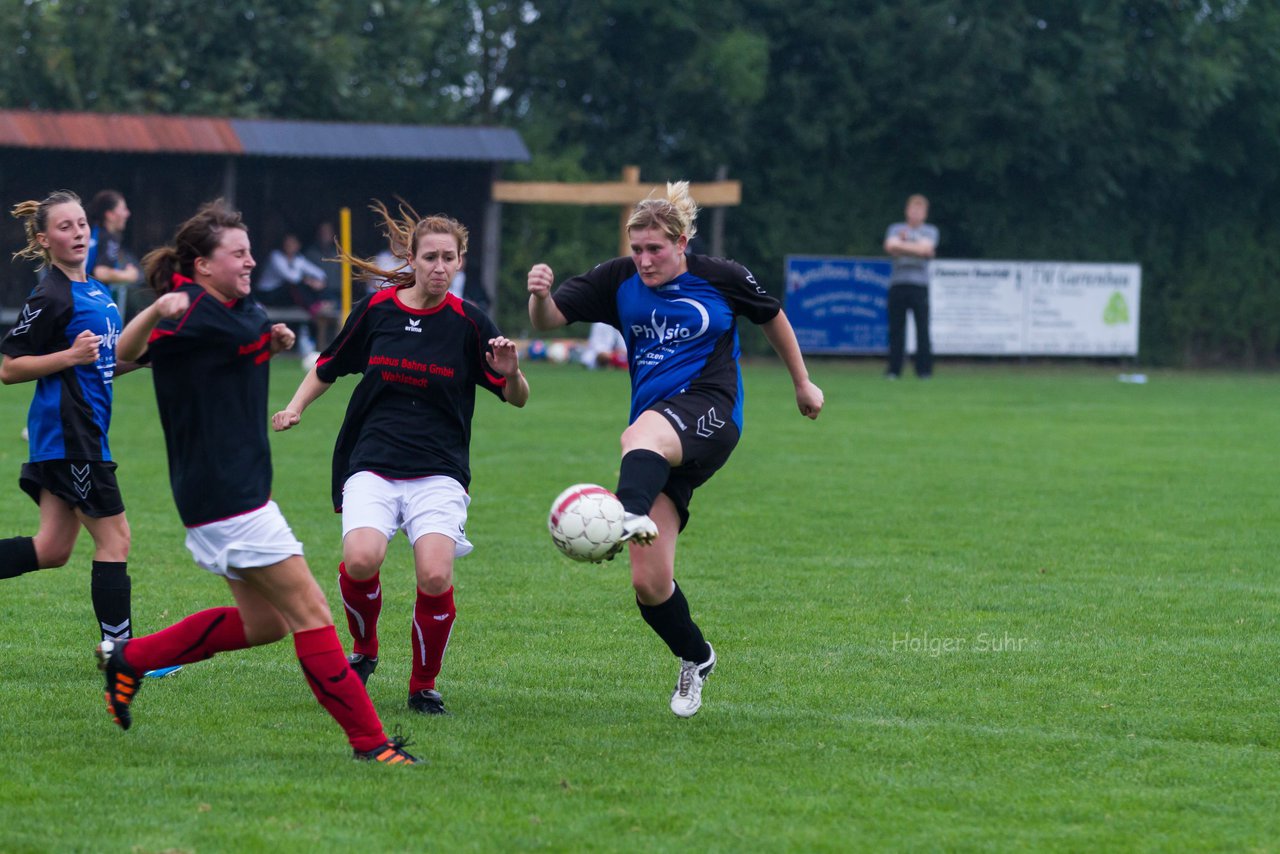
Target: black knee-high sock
{"points": [[673, 623], [17, 555], [110, 588], [640, 479]]}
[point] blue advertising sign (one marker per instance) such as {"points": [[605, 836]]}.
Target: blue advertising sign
{"points": [[838, 305]]}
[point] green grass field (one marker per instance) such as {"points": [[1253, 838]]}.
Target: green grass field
{"points": [[1015, 607]]}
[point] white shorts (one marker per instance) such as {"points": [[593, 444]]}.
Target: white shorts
{"points": [[255, 539], [422, 505]]}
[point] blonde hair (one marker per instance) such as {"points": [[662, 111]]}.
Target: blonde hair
{"points": [[674, 216], [35, 220], [403, 233]]}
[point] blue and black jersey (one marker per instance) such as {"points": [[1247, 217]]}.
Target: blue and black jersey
{"points": [[210, 367], [680, 335], [104, 250], [71, 411]]}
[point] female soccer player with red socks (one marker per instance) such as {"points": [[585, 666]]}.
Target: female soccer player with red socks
{"points": [[209, 346], [402, 459]]}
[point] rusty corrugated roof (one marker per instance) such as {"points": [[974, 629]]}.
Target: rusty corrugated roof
{"points": [[260, 137], [118, 132]]}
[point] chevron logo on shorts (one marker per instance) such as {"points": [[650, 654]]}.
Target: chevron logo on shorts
{"points": [[80, 475], [708, 424]]}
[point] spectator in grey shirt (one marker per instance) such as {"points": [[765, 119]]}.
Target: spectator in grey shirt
{"points": [[911, 244]]}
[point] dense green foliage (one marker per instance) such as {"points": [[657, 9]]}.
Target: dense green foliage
{"points": [[1119, 130], [1106, 553]]}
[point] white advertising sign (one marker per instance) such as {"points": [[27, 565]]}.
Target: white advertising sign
{"points": [[1082, 309], [976, 307], [1037, 308]]}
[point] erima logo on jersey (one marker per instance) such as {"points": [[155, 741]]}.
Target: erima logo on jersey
{"points": [[415, 325], [665, 330], [25, 319]]}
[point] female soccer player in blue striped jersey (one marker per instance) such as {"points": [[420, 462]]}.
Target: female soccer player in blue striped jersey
{"points": [[678, 315], [209, 346], [402, 458], [65, 340]]}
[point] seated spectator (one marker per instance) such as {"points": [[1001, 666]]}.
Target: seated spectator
{"points": [[288, 278], [605, 348]]}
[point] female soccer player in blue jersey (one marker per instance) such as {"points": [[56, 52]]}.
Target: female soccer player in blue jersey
{"points": [[65, 340], [209, 346], [402, 459], [678, 314]]}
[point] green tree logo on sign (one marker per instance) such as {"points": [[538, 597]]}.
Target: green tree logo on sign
{"points": [[1117, 310]]}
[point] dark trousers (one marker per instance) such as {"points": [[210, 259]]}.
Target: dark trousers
{"points": [[914, 298]]}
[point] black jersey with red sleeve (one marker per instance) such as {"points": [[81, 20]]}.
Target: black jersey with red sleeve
{"points": [[410, 415], [210, 367]]}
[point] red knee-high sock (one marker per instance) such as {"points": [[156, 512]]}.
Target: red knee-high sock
{"points": [[195, 638], [362, 600], [433, 618], [337, 687]]}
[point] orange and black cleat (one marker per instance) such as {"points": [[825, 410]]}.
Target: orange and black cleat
{"points": [[391, 753], [122, 681]]}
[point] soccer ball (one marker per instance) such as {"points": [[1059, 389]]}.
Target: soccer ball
{"points": [[586, 522], [309, 361]]}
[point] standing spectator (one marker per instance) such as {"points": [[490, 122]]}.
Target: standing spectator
{"points": [[290, 279], [402, 458], [912, 244], [108, 262], [458, 284], [210, 350], [65, 341], [678, 314]]}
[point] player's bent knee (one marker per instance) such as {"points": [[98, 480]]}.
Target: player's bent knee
{"points": [[265, 631], [51, 555]]}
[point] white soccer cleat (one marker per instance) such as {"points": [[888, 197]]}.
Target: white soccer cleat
{"points": [[639, 529], [687, 698]]}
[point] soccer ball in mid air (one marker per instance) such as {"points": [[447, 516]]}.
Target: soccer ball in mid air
{"points": [[586, 522]]}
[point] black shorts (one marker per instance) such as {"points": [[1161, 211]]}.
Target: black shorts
{"points": [[704, 421], [87, 485]]}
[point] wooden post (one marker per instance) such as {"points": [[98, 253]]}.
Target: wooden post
{"points": [[624, 193], [344, 236], [631, 177]]}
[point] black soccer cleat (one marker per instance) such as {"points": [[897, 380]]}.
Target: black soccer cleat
{"points": [[427, 702], [391, 753], [363, 665], [123, 681]]}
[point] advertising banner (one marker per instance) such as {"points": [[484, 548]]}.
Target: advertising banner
{"points": [[977, 308], [837, 305]]}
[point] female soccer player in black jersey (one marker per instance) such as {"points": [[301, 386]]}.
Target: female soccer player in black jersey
{"points": [[678, 314], [402, 458], [65, 340], [209, 347]]}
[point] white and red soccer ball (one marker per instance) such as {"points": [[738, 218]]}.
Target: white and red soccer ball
{"points": [[586, 522]]}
